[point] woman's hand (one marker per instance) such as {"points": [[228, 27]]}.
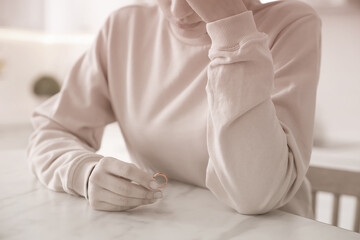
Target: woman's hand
{"points": [[212, 10], [110, 187]]}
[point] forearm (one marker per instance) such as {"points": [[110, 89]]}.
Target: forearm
{"points": [[60, 160]]}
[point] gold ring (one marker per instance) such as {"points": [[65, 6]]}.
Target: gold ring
{"points": [[163, 178]]}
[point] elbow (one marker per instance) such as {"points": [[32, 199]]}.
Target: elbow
{"points": [[45, 173], [248, 200], [40, 161], [252, 203], [253, 207], [256, 193], [30, 158], [260, 200]]}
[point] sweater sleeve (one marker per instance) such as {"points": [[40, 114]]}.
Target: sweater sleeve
{"points": [[261, 110], [68, 127]]}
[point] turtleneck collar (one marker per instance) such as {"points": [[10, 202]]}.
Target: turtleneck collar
{"points": [[195, 34]]}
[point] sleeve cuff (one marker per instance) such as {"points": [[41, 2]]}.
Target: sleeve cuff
{"points": [[81, 175], [229, 32]]}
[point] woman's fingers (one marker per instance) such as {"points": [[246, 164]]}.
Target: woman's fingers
{"points": [[117, 186], [124, 187], [104, 206], [104, 195], [129, 171]]}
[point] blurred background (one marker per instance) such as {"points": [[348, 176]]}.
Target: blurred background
{"points": [[41, 39]]}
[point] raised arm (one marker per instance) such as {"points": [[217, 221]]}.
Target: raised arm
{"points": [[261, 110]]}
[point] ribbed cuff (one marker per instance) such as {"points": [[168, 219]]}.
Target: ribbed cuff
{"points": [[81, 175], [229, 32]]}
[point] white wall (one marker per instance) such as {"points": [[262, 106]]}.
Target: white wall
{"points": [[22, 13], [58, 16], [64, 16], [339, 87]]}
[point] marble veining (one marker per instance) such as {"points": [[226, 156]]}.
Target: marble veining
{"points": [[30, 211]]}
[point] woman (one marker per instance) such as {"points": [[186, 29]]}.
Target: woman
{"points": [[220, 95]]}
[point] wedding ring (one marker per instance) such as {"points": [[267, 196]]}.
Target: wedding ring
{"points": [[161, 179]]}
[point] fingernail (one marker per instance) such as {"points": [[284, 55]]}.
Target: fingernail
{"points": [[153, 185], [158, 195]]}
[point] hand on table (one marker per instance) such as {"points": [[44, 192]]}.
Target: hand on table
{"points": [[110, 187], [212, 10]]}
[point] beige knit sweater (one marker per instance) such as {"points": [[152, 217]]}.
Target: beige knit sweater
{"points": [[231, 110]]}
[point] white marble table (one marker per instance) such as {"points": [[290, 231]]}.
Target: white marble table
{"points": [[30, 211]]}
